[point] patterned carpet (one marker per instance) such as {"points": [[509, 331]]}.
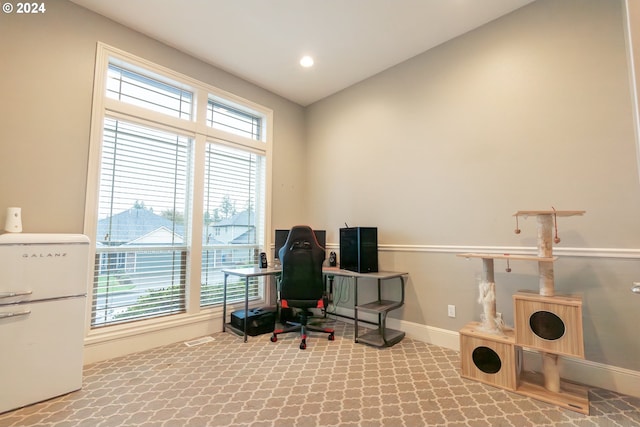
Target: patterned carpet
{"points": [[226, 382]]}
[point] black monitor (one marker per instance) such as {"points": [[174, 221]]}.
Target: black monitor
{"points": [[281, 238]]}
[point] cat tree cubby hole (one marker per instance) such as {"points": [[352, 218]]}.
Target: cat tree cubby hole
{"points": [[492, 359]]}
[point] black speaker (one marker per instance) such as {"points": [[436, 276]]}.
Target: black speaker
{"points": [[359, 249], [332, 259]]}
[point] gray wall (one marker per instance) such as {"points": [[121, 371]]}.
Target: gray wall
{"points": [[528, 112], [47, 68]]}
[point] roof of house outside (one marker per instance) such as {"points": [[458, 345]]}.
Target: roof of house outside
{"points": [[143, 226], [132, 224], [247, 237], [244, 218]]}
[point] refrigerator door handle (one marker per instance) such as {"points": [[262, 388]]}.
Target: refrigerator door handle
{"points": [[14, 294], [14, 314]]}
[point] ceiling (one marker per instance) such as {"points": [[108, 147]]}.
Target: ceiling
{"points": [[262, 41]]}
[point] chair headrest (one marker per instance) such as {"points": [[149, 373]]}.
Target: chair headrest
{"points": [[300, 237]]}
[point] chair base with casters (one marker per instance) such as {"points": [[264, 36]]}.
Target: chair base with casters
{"points": [[302, 327]]}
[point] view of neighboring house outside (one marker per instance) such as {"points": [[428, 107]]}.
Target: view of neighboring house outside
{"points": [[124, 237], [232, 242]]}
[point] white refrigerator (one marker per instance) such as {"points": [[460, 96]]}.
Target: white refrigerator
{"points": [[43, 288]]}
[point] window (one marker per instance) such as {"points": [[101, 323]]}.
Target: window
{"points": [[233, 186], [148, 144], [230, 119], [141, 230], [146, 92]]}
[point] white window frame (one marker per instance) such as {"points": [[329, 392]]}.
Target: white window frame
{"points": [[201, 133]]}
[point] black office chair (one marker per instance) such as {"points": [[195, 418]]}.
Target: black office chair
{"points": [[301, 283]]}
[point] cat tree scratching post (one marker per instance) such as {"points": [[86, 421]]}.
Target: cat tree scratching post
{"points": [[545, 250], [545, 322], [488, 296], [550, 366], [545, 308]]}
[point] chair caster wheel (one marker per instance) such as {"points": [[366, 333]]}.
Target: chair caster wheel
{"points": [[332, 337], [303, 345], [274, 338]]}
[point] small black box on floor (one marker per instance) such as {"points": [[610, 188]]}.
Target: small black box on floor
{"points": [[260, 320]]}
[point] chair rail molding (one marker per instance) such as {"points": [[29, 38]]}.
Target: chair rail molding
{"points": [[626, 253]]}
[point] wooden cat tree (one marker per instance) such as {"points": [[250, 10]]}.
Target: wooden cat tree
{"points": [[551, 324]]}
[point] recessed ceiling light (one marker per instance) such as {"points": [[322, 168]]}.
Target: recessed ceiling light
{"points": [[306, 61]]}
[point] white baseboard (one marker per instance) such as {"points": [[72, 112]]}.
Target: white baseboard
{"points": [[117, 342], [585, 372]]}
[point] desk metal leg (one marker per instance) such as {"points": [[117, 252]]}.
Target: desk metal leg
{"points": [[355, 309], [224, 303], [246, 306], [382, 318]]}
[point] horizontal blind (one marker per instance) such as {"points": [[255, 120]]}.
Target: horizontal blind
{"points": [[141, 249], [234, 188], [146, 92], [233, 120]]}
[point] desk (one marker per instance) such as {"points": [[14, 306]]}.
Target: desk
{"points": [[383, 336], [380, 337], [246, 273]]}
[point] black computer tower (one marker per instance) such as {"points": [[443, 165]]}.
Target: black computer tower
{"points": [[359, 249]]}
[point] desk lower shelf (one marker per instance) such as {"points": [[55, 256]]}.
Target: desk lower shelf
{"points": [[383, 336], [380, 338], [383, 306]]}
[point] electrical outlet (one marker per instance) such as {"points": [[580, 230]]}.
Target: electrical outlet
{"points": [[451, 310]]}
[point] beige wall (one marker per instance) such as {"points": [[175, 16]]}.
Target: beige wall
{"points": [[528, 112], [47, 68]]}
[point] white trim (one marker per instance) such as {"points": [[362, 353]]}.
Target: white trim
{"points": [[116, 342], [132, 329], [142, 116], [625, 253], [633, 82], [126, 338], [93, 169]]}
